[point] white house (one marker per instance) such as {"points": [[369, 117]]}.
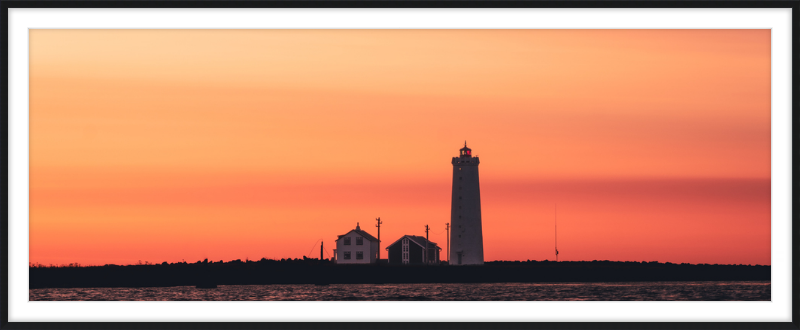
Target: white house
{"points": [[356, 247]]}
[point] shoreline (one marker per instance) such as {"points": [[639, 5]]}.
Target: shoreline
{"points": [[314, 271], [433, 283]]}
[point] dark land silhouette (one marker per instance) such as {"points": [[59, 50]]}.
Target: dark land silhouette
{"points": [[321, 272]]}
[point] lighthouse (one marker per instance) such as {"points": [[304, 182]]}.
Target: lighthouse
{"points": [[466, 234]]}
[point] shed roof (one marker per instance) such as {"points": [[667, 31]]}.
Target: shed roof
{"points": [[419, 240]]}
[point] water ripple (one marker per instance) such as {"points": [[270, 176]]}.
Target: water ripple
{"points": [[596, 291]]}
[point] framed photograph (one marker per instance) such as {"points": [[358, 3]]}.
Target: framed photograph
{"points": [[400, 164]]}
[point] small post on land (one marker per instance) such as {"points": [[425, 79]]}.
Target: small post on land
{"points": [[447, 228], [379, 238], [427, 250]]}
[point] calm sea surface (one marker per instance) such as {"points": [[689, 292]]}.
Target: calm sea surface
{"points": [[751, 290]]}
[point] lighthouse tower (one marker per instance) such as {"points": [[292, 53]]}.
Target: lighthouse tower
{"points": [[466, 235]]}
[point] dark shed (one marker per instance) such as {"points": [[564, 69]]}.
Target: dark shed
{"points": [[410, 249]]}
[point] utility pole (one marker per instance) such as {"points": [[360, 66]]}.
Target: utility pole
{"points": [[427, 250], [379, 237], [447, 228], [320, 250]]}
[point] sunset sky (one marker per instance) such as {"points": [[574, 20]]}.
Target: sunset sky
{"points": [[171, 145]]}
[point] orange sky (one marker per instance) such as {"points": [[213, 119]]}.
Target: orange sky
{"points": [[164, 145]]}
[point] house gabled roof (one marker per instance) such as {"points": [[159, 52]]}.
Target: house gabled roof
{"points": [[362, 233], [419, 240]]}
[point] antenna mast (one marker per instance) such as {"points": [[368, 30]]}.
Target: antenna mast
{"points": [[556, 224]]}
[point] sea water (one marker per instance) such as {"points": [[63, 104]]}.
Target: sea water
{"points": [[596, 291]]}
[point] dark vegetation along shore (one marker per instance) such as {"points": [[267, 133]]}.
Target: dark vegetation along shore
{"points": [[315, 271]]}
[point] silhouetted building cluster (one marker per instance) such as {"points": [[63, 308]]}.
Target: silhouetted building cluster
{"points": [[359, 247], [465, 241]]}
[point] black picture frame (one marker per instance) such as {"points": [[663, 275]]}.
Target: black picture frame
{"points": [[794, 5]]}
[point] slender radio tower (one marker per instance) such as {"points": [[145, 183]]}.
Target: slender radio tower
{"points": [[379, 237], [556, 223]]}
